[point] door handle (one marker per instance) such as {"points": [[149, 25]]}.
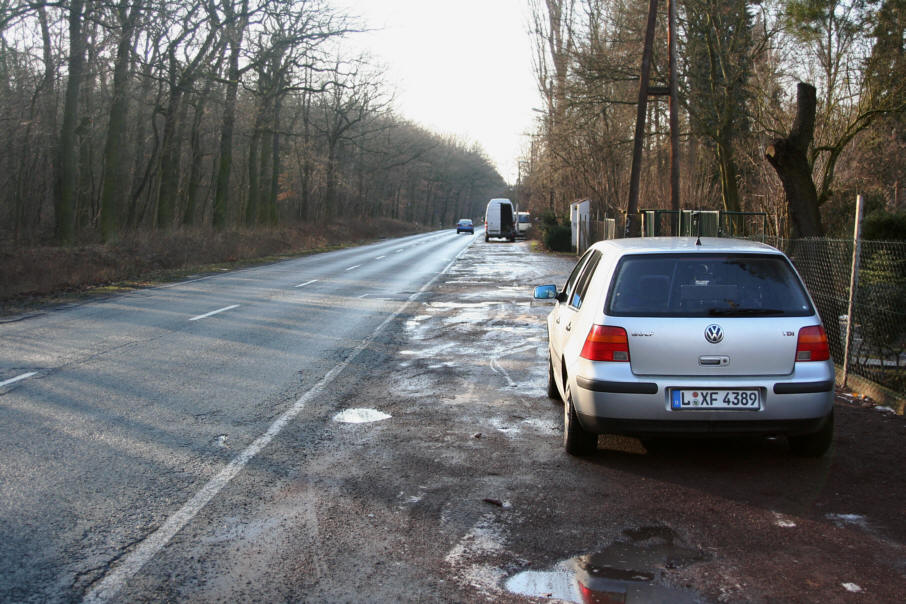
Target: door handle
{"points": [[569, 326], [557, 321]]}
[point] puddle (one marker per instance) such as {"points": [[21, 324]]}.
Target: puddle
{"points": [[626, 571], [360, 416]]}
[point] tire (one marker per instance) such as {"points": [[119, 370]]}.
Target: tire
{"points": [[576, 440], [816, 444], [486, 238], [552, 392]]}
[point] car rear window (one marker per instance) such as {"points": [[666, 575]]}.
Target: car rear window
{"points": [[696, 285]]}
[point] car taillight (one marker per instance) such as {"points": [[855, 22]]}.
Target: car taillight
{"points": [[812, 344], [605, 343]]}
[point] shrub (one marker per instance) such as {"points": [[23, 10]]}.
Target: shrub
{"points": [[558, 238], [555, 233], [884, 226]]}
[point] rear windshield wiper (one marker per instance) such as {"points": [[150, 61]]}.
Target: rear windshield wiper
{"points": [[746, 312]]}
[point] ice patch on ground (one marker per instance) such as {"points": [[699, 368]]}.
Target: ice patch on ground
{"points": [[360, 416], [482, 539], [515, 426], [234, 529], [557, 584], [842, 520], [782, 521]]}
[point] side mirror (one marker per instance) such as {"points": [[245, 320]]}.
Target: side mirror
{"points": [[545, 292]]}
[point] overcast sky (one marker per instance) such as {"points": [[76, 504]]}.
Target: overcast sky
{"points": [[459, 67]]}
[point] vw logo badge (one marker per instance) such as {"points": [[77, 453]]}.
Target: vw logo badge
{"points": [[714, 334]]}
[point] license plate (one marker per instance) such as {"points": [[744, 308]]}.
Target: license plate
{"points": [[715, 399]]}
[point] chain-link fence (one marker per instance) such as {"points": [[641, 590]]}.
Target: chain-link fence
{"points": [[877, 348]]}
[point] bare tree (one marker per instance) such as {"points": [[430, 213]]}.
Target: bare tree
{"points": [[67, 157], [126, 14]]}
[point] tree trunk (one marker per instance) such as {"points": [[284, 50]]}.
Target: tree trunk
{"points": [[271, 202], [112, 192], [254, 165], [729, 189], [141, 167], [67, 158], [789, 158], [169, 162], [49, 111], [225, 163], [306, 167], [193, 187]]}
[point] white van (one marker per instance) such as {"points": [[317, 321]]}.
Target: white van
{"points": [[499, 220], [523, 224]]}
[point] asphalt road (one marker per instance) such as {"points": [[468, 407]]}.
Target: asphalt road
{"points": [[313, 445], [122, 410]]}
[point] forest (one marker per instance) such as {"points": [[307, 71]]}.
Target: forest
{"points": [[121, 117], [739, 69]]}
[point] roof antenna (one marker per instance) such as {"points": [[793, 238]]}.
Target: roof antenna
{"points": [[699, 216]]}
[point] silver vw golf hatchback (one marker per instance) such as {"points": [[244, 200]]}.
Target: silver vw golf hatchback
{"points": [[667, 336]]}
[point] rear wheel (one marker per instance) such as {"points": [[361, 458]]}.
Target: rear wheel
{"points": [[486, 238], [576, 440], [552, 391], [816, 444]]}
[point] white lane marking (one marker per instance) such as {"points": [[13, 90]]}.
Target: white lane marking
{"points": [[182, 282], [214, 312], [111, 584], [379, 257], [306, 283], [363, 295], [354, 266], [18, 378], [399, 250]]}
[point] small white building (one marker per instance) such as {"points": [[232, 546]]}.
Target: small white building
{"points": [[579, 217]]}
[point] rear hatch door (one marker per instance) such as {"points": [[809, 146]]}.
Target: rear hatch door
{"points": [[737, 346]]}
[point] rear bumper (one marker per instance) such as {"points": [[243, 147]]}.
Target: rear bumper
{"points": [[751, 427], [609, 399]]}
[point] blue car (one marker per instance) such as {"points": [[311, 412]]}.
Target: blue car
{"points": [[465, 226]]}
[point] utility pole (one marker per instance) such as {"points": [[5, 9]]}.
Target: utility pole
{"points": [[632, 219], [674, 117]]}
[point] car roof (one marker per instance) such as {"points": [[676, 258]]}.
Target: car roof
{"points": [[660, 245]]}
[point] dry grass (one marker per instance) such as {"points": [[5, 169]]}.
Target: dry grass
{"points": [[36, 276]]}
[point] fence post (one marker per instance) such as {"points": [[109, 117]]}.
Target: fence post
{"points": [[853, 285]]}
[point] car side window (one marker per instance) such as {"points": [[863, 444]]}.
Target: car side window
{"points": [[574, 276], [584, 279]]}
